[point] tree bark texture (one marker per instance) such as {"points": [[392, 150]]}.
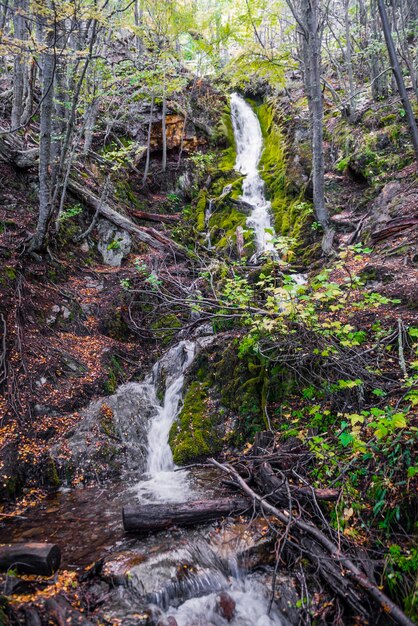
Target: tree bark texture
{"points": [[154, 517]]}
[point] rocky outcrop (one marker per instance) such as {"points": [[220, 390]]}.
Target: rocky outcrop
{"points": [[110, 436], [114, 244]]}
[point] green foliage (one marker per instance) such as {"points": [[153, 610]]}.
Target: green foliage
{"points": [[401, 576], [71, 212]]}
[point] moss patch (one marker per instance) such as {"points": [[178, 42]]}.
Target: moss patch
{"points": [[225, 133], [291, 215], [166, 327], [194, 434]]}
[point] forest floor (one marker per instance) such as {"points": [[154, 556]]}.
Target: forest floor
{"points": [[69, 337]]}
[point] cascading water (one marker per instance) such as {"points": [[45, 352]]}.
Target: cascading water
{"points": [[208, 215], [249, 147], [163, 483]]}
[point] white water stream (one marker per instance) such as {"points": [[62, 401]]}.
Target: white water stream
{"points": [[198, 603], [163, 484], [249, 147]]}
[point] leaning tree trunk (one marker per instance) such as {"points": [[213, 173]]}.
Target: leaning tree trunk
{"points": [[313, 62], [19, 64], [48, 70], [164, 134], [398, 77], [148, 159]]}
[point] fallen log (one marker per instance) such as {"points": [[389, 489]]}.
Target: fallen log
{"points": [[30, 558], [278, 490], [154, 517], [332, 549], [154, 217], [147, 235], [394, 227], [62, 613]]}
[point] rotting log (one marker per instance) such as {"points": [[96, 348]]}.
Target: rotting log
{"points": [[30, 558], [154, 517], [147, 235], [13, 153], [154, 217], [394, 227]]}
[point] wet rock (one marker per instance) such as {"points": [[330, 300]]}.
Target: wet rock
{"points": [[167, 621], [226, 605], [55, 310], [114, 244], [251, 544], [117, 567], [111, 434]]}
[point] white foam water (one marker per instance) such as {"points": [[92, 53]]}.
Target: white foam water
{"points": [[249, 147], [162, 482]]}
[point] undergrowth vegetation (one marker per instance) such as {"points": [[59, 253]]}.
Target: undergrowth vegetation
{"points": [[336, 367]]}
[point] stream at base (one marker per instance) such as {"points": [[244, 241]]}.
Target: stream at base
{"points": [[193, 577]]}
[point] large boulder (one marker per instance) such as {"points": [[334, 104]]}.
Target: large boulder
{"points": [[114, 243]]}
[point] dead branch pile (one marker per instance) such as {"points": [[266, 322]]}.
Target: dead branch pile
{"points": [[275, 480]]}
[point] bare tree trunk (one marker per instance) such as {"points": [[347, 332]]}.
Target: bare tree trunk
{"points": [[92, 114], [30, 84], [59, 118], [348, 60], [377, 63], [4, 11], [138, 11], [398, 76], [148, 158], [164, 133], [48, 65], [313, 62], [19, 63]]}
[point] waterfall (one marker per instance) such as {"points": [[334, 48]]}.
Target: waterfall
{"points": [[208, 215], [249, 147], [162, 482], [175, 362]]}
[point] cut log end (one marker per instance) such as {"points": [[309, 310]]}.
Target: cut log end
{"points": [[30, 558]]}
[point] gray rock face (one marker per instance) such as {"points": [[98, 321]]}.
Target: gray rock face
{"points": [[112, 434], [114, 243]]}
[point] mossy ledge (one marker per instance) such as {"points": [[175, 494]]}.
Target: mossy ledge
{"points": [[291, 214], [194, 433]]}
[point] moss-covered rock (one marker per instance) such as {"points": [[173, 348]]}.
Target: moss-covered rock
{"points": [[166, 327], [195, 433], [291, 214], [225, 133]]}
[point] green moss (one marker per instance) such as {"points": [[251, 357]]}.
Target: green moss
{"points": [[166, 327], [106, 422], [115, 372], [8, 274], [290, 214], [125, 193], [388, 119], [225, 131], [194, 434], [201, 210], [116, 327], [51, 473]]}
